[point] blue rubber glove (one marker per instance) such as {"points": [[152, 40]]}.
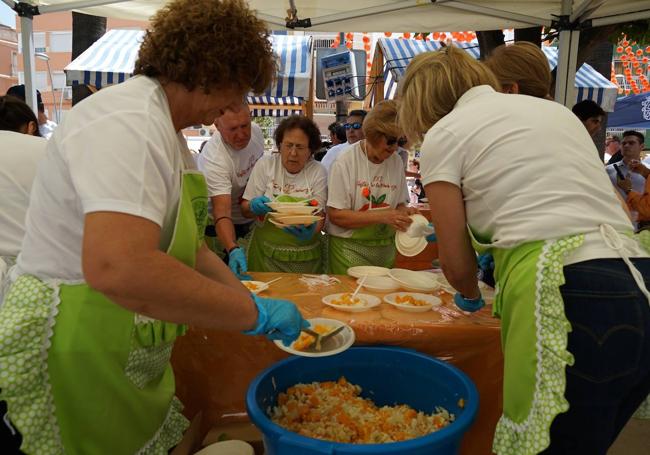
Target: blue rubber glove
{"points": [[466, 304], [278, 320], [237, 263], [431, 238], [485, 261], [301, 232], [258, 206]]}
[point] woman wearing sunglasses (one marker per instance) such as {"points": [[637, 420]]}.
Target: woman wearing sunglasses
{"points": [[292, 175], [368, 196]]}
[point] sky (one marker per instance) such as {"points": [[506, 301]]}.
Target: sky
{"points": [[7, 16]]}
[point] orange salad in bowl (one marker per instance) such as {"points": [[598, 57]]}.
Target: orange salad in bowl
{"points": [[250, 286], [410, 300], [347, 300]]}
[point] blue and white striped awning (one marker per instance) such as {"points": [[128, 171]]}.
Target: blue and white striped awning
{"points": [[268, 106], [111, 59], [398, 53]]}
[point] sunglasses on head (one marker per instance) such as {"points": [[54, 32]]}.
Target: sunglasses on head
{"points": [[354, 126], [391, 140]]}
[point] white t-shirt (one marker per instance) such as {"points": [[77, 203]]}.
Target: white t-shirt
{"points": [[527, 168], [227, 171], [270, 178], [20, 156], [118, 151], [333, 153], [352, 172], [638, 181]]}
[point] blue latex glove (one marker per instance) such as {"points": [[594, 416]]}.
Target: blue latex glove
{"points": [[431, 238], [258, 206], [485, 261], [278, 320], [237, 263], [466, 304], [301, 232]]}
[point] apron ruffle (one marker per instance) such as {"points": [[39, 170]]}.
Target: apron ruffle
{"points": [[27, 319], [170, 433], [644, 410], [531, 435]]}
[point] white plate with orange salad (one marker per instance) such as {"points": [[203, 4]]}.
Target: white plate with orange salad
{"points": [[334, 345], [255, 286], [343, 301], [412, 301]]}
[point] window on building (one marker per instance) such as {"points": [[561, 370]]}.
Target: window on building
{"points": [[58, 80], [39, 42], [61, 41]]}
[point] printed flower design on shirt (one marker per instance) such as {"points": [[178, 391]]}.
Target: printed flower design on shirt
{"points": [[377, 202]]}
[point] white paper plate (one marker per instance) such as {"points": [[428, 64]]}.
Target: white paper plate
{"points": [[367, 270], [415, 281], [292, 220], [409, 246], [337, 344], [380, 283], [259, 286], [431, 301], [275, 204], [293, 210], [368, 302]]}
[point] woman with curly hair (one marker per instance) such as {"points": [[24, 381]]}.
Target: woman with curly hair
{"points": [[113, 264]]}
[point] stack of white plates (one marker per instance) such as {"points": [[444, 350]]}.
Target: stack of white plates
{"points": [[294, 220], [360, 271], [281, 210], [415, 281], [379, 283]]}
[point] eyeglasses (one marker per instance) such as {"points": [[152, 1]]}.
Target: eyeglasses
{"points": [[392, 140], [288, 146], [354, 126]]}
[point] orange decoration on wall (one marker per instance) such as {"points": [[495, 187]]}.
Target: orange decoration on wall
{"points": [[436, 36], [407, 35], [388, 34], [619, 49]]}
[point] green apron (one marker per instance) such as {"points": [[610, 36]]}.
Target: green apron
{"points": [[369, 245], [534, 337], [82, 375], [270, 249]]}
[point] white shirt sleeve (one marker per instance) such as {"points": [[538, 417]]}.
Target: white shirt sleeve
{"points": [[217, 168], [113, 171], [258, 180], [319, 187], [440, 158], [403, 195], [341, 177]]}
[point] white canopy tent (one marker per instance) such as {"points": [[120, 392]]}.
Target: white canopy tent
{"points": [[568, 16]]}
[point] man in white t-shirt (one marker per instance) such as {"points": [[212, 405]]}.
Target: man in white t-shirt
{"points": [[353, 132], [227, 161], [631, 147]]}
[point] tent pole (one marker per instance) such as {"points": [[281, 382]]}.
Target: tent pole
{"points": [[26, 29], [76, 5], [585, 8], [472, 8], [567, 58], [9, 3], [620, 18]]}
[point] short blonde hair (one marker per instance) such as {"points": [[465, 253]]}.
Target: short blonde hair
{"points": [[433, 83], [524, 64], [381, 121]]}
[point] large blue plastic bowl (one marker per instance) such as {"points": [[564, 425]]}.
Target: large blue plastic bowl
{"points": [[388, 376]]}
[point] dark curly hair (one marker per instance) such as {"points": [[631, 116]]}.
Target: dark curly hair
{"points": [[208, 44], [303, 123], [15, 114]]}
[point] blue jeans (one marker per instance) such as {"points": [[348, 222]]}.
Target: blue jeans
{"points": [[610, 341]]}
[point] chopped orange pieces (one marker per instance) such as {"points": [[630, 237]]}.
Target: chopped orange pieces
{"points": [[347, 300], [410, 300]]}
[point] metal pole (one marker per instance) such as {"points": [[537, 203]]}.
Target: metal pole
{"points": [[26, 29], [567, 58]]}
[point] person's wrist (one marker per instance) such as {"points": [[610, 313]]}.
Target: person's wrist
{"points": [[261, 320], [231, 249]]}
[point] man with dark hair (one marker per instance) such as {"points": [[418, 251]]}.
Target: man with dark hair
{"points": [[353, 132], [45, 125], [337, 133], [632, 181], [590, 114]]}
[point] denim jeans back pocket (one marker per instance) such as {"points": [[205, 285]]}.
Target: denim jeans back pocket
{"points": [[607, 337]]}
